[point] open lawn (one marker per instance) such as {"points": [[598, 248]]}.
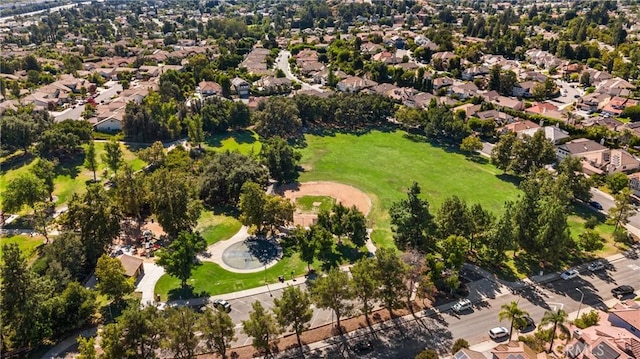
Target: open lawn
{"points": [[210, 279], [306, 203], [27, 244], [216, 228], [244, 142], [71, 176], [384, 165]]}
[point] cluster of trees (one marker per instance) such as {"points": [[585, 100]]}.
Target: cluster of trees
{"points": [[437, 122], [262, 211], [524, 155]]}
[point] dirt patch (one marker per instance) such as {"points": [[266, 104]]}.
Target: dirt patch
{"points": [[345, 194]]}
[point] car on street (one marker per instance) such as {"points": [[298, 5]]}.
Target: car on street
{"points": [[222, 304], [498, 333], [595, 266], [596, 205], [462, 305], [570, 274], [622, 290], [362, 346], [524, 323]]}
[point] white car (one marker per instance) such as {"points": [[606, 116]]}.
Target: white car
{"points": [[595, 266], [462, 305], [570, 274], [498, 333]]}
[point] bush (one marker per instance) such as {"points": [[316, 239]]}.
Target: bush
{"points": [[427, 354], [587, 320], [459, 344]]}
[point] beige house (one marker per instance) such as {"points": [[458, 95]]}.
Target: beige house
{"points": [[133, 266], [598, 158]]}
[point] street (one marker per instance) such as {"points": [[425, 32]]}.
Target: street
{"points": [[439, 330], [282, 63]]}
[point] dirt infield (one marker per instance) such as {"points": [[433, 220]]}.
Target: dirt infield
{"points": [[345, 194]]}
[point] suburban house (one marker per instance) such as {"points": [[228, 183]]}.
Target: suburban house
{"points": [[612, 337], [519, 126], [209, 88], [634, 183], [523, 89], [273, 85], [593, 102], [133, 267], [465, 353], [441, 82], [615, 87], [387, 57], [370, 48], [551, 133], [610, 123], [464, 91], [240, 86], [506, 102], [617, 104], [499, 117], [112, 123], [322, 76], [470, 73], [515, 350], [355, 84], [598, 158]]}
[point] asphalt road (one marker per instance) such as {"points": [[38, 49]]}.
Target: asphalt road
{"points": [[282, 63], [440, 330], [607, 202], [569, 91]]}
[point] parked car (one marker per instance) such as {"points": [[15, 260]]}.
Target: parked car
{"points": [[595, 266], [462, 305], [362, 346], [222, 304], [570, 274], [596, 205], [622, 290], [498, 333], [527, 322]]}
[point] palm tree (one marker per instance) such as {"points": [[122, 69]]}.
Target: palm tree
{"points": [[558, 319], [511, 312]]}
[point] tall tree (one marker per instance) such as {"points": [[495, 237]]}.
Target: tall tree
{"points": [[113, 156], [26, 189], [412, 222], [45, 170], [154, 155], [471, 144], [179, 259], [196, 134], [623, 209], [137, 334], [130, 192], [577, 182], [262, 326], [281, 159], [559, 319], [278, 116], [334, 292], [90, 159], [365, 284], [513, 314], [454, 250], [173, 200], [501, 237], [94, 216], [86, 348], [293, 310], [391, 271], [501, 154], [180, 337], [218, 331], [111, 279], [453, 218]]}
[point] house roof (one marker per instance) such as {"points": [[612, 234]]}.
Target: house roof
{"points": [[130, 264], [551, 133], [514, 350], [631, 316], [583, 145], [465, 353], [520, 125], [542, 107]]}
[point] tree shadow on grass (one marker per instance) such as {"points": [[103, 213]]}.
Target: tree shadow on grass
{"points": [[510, 178], [70, 167], [185, 293], [16, 161], [241, 137], [478, 159]]}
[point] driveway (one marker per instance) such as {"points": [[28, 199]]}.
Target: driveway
{"points": [[147, 284]]}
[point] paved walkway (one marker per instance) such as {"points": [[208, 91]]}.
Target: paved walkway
{"points": [[214, 252], [147, 285]]}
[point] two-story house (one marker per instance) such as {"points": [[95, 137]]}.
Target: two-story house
{"points": [[240, 86]]}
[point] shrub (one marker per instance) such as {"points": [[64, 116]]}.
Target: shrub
{"points": [[587, 320], [459, 344]]}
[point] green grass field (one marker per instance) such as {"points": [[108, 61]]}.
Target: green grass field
{"points": [[71, 176], [216, 228], [245, 142], [384, 165], [211, 279], [28, 245], [305, 203]]}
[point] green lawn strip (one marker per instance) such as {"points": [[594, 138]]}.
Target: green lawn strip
{"points": [[27, 244], [210, 279], [306, 203], [245, 142], [216, 228], [385, 164]]}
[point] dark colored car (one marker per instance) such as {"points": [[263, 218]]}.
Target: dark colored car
{"points": [[596, 205], [622, 290], [527, 322], [362, 346]]}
